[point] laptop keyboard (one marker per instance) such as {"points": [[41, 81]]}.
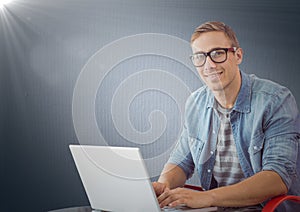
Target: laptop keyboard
{"points": [[185, 208]]}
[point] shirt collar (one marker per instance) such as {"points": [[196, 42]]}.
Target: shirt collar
{"points": [[243, 100]]}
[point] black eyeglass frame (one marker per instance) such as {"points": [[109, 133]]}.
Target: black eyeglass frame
{"points": [[231, 49]]}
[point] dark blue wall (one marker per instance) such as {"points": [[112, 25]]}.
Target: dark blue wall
{"points": [[44, 46]]}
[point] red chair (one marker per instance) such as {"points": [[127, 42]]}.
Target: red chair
{"points": [[269, 207], [276, 201], [193, 187]]}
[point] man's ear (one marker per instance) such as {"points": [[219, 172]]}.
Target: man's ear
{"points": [[239, 55]]}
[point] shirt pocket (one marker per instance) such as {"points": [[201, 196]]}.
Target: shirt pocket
{"points": [[255, 151]]}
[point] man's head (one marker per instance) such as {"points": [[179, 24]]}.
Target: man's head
{"points": [[216, 55]]}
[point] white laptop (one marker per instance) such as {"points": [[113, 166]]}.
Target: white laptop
{"points": [[116, 179]]}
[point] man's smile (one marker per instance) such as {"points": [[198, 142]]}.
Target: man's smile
{"points": [[213, 75]]}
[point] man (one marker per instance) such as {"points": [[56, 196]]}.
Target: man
{"points": [[241, 133]]}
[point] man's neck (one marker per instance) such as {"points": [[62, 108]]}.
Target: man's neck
{"points": [[225, 101], [227, 97]]}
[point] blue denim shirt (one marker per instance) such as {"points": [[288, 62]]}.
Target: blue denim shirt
{"points": [[266, 129]]}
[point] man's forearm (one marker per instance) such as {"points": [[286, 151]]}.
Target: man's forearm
{"points": [[173, 176], [252, 191]]}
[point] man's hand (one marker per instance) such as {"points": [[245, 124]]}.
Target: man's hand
{"points": [[182, 196], [159, 188]]}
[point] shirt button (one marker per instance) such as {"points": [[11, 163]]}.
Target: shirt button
{"points": [[255, 148], [208, 170], [214, 132], [211, 152]]}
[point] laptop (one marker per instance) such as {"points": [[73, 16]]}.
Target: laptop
{"points": [[116, 179]]}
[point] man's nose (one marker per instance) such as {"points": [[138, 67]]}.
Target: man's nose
{"points": [[209, 63]]}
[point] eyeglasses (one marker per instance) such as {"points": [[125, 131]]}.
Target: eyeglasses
{"points": [[218, 55]]}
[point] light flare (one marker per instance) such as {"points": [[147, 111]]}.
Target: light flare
{"points": [[4, 2]]}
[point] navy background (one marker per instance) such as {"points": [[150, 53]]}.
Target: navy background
{"points": [[45, 44]]}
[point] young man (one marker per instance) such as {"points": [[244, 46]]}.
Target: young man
{"points": [[241, 133]]}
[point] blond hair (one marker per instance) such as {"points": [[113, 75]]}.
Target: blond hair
{"points": [[216, 26]]}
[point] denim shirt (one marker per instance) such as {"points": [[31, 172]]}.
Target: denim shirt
{"points": [[266, 129]]}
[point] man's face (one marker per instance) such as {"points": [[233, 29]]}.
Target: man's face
{"points": [[218, 76]]}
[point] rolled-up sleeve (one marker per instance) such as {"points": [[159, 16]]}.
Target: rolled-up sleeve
{"points": [[281, 146], [181, 155], [280, 155]]}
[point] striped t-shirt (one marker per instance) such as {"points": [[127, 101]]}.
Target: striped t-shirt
{"points": [[227, 169]]}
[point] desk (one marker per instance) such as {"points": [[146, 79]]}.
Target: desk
{"points": [[88, 209], [74, 209]]}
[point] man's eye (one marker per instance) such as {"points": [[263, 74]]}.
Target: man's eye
{"points": [[217, 53], [199, 56]]}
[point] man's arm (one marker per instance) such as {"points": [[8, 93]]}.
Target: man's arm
{"points": [[252, 191], [171, 177]]}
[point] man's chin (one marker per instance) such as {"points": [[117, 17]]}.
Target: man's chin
{"points": [[217, 87]]}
